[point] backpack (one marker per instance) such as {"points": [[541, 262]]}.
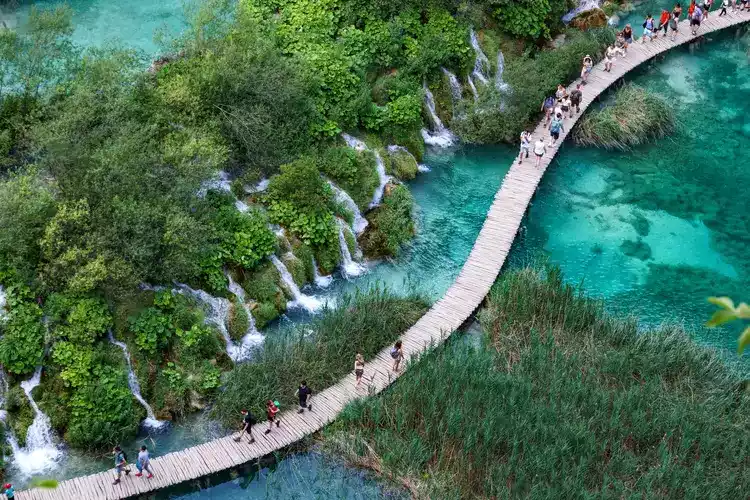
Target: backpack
{"points": [[394, 353], [554, 127], [124, 456]]}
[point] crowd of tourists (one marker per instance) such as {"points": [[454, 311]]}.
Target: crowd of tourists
{"points": [[272, 408], [563, 104]]}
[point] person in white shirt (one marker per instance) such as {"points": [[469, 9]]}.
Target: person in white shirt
{"points": [[567, 106], [144, 463], [525, 145], [540, 148], [609, 58]]}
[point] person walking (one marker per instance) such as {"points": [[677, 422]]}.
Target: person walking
{"points": [[304, 393], [9, 491], [691, 10], [248, 420], [695, 20], [706, 7], [121, 463], [627, 35], [663, 23], [560, 92], [609, 58], [724, 5], [554, 130], [677, 11], [539, 150], [547, 106], [575, 98], [525, 145], [359, 360], [674, 24], [588, 63], [272, 408], [397, 353], [648, 29], [144, 463], [566, 107]]}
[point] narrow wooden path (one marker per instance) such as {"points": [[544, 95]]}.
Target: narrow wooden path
{"points": [[446, 315]]}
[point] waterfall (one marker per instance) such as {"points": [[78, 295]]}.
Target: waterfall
{"points": [[311, 304], [473, 87], [439, 135], [583, 6], [320, 280], [349, 268], [40, 455], [421, 167], [222, 184], [252, 336], [261, 186], [456, 90], [360, 223], [500, 84], [359, 145], [481, 63], [3, 303], [151, 420]]}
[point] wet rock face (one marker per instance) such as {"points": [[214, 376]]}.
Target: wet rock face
{"points": [[594, 18]]}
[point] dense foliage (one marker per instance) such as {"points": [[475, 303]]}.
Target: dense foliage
{"points": [[391, 224], [557, 400]]}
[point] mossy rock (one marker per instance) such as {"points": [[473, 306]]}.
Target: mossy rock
{"points": [[20, 413], [400, 163], [391, 224], [283, 241], [638, 249], [305, 254], [328, 256], [239, 321], [264, 313], [296, 268], [351, 241], [261, 284], [441, 91], [594, 18]]}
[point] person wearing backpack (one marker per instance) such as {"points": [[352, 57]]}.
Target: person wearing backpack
{"points": [[575, 99], [144, 463], [303, 393], [554, 129], [272, 409], [248, 420], [397, 353], [547, 106], [121, 463]]}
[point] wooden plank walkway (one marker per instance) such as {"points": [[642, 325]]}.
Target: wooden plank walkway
{"points": [[446, 315]]}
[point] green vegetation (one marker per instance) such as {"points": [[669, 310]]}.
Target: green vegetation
{"points": [[634, 117], [365, 322], [354, 172], [401, 164], [391, 224], [558, 400]]}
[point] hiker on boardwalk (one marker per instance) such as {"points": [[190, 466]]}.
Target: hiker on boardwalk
{"points": [[248, 420], [554, 130], [547, 106], [525, 145], [144, 463], [588, 63], [397, 353], [609, 58], [724, 5], [691, 10], [648, 29], [121, 463], [663, 23], [627, 35], [560, 92], [695, 20], [539, 150], [706, 7], [304, 393], [575, 98], [674, 24], [677, 11], [9, 491], [359, 360], [566, 106], [272, 408]]}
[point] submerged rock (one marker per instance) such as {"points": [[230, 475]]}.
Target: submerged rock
{"points": [[638, 249]]}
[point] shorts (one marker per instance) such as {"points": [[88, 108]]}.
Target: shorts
{"points": [[359, 371], [588, 70], [575, 103], [555, 135], [673, 26], [695, 22], [271, 418], [539, 155], [565, 108], [706, 7], [629, 40], [648, 33]]}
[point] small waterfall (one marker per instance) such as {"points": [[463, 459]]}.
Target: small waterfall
{"points": [[360, 223], [252, 336], [3, 303], [473, 87], [320, 280], [583, 6], [439, 135], [359, 145], [349, 268], [151, 420], [456, 90], [261, 186], [40, 455], [500, 84], [222, 183], [421, 167], [481, 63], [307, 302]]}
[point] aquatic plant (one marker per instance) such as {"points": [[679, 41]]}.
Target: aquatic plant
{"points": [[635, 116]]}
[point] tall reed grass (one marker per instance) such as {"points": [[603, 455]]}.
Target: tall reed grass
{"points": [[559, 401], [635, 116], [320, 352]]}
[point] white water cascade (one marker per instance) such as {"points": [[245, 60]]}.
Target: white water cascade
{"points": [[439, 135], [360, 223], [252, 336], [456, 90], [222, 184], [3, 303], [151, 421], [349, 267], [481, 63], [473, 87], [500, 84], [583, 6], [359, 145], [40, 455], [320, 280], [307, 302]]}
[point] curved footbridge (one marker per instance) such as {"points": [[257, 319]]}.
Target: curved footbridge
{"points": [[446, 315]]}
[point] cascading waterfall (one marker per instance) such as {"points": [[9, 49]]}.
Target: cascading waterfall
{"points": [[3, 303], [151, 420], [320, 280], [307, 302], [421, 167], [500, 84], [439, 135], [349, 268], [40, 455], [456, 90], [360, 223], [583, 6], [252, 336], [222, 184], [473, 87], [481, 63], [359, 145]]}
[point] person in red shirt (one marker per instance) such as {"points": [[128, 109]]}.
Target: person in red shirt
{"points": [[691, 9], [271, 410], [663, 22]]}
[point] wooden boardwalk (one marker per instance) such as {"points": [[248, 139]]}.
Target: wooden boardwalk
{"points": [[446, 315]]}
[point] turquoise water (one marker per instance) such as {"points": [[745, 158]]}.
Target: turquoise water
{"points": [[658, 229], [133, 23]]}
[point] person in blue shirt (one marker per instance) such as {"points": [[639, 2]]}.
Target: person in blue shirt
{"points": [[9, 491]]}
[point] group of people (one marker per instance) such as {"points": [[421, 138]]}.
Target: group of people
{"points": [[143, 463], [670, 21], [304, 395]]}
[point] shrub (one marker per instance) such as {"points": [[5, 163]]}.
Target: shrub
{"points": [[354, 172], [22, 343], [264, 313], [238, 320], [400, 163], [391, 224]]}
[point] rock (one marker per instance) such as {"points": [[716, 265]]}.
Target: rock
{"points": [[594, 18], [556, 42], [638, 249]]}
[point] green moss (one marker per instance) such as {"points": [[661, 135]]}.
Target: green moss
{"points": [[261, 284], [305, 255], [328, 256], [351, 242], [353, 171], [441, 91], [296, 268], [400, 163], [391, 224], [238, 320], [264, 313], [20, 413]]}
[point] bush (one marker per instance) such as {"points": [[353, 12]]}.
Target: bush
{"points": [[22, 343], [365, 322], [558, 400], [354, 172], [391, 224], [239, 322], [634, 117]]}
